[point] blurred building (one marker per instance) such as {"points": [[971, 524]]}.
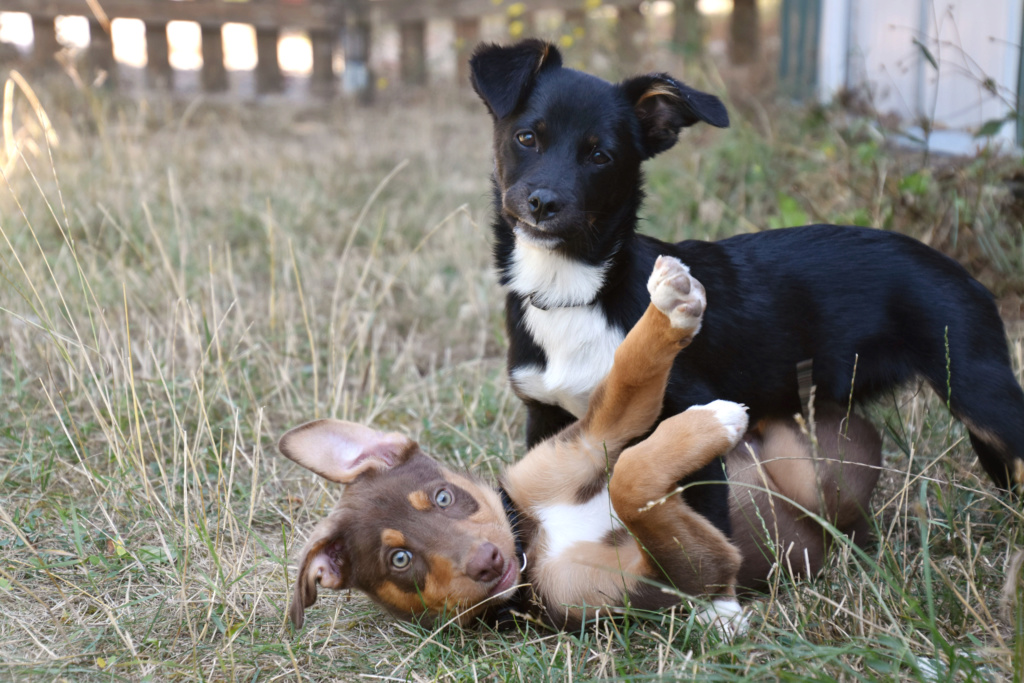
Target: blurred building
{"points": [[950, 69]]}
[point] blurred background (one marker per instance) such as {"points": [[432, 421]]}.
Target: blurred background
{"points": [[220, 219], [944, 71]]}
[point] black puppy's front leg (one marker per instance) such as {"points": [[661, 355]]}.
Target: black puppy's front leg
{"points": [[544, 420]]}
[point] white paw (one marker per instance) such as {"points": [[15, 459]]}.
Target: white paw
{"points": [[677, 294], [726, 616], [732, 416]]}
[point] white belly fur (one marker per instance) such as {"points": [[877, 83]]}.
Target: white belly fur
{"points": [[562, 526]]}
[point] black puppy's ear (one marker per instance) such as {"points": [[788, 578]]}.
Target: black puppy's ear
{"points": [[665, 106], [503, 76]]}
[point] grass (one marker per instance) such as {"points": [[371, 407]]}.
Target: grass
{"points": [[182, 282]]}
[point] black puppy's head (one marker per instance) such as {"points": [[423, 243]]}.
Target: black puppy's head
{"points": [[568, 146]]}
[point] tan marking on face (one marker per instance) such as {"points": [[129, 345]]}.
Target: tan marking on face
{"points": [[392, 538], [446, 589], [442, 571], [433, 595], [420, 501], [449, 589], [490, 509], [390, 594]]}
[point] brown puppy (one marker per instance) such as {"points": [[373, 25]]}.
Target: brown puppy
{"points": [[598, 523]]}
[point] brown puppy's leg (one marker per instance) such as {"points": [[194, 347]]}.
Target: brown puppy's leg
{"points": [[835, 482], [574, 464], [628, 401], [683, 545]]}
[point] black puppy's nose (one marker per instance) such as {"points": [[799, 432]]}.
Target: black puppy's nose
{"points": [[485, 564], [543, 204]]}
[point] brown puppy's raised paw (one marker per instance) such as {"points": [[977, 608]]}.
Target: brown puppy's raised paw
{"points": [[677, 294]]}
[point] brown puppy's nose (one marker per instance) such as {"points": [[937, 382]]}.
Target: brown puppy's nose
{"points": [[543, 204], [485, 564]]}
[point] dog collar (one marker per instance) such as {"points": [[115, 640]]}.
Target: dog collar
{"points": [[531, 300], [512, 514], [520, 603]]}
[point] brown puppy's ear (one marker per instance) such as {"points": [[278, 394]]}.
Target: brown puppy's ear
{"points": [[665, 106], [503, 76], [324, 562], [341, 451]]}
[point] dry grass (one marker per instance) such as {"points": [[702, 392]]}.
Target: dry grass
{"points": [[180, 284]]}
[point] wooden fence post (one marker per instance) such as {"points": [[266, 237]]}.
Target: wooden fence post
{"points": [[322, 79], [579, 45], [744, 32], [689, 28], [520, 21], [214, 75], [44, 43], [100, 54], [158, 56], [631, 23], [323, 20], [358, 75], [414, 52], [799, 34], [574, 19], [467, 35], [268, 70]]}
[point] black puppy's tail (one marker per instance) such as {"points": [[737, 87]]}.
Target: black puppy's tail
{"points": [[977, 382]]}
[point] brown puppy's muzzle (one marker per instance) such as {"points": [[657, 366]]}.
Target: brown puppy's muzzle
{"points": [[486, 563]]}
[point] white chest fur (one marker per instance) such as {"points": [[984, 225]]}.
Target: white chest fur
{"points": [[580, 347], [577, 340]]}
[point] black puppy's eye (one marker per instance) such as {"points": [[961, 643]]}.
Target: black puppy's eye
{"points": [[400, 559], [526, 138], [600, 158], [444, 498]]}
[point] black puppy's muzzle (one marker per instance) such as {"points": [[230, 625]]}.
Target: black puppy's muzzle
{"points": [[541, 208], [543, 204], [542, 215]]}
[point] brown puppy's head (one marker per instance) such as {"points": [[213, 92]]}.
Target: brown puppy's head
{"points": [[419, 539]]}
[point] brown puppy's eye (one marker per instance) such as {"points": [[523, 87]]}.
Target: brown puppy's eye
{"points": [[526, 138], [400, 559], [600, 158], [444, 498]]}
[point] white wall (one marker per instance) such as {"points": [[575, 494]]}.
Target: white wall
{"points": [[975, 43]]}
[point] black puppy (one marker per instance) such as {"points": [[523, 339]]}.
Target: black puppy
{"points": [[870, 309]]}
